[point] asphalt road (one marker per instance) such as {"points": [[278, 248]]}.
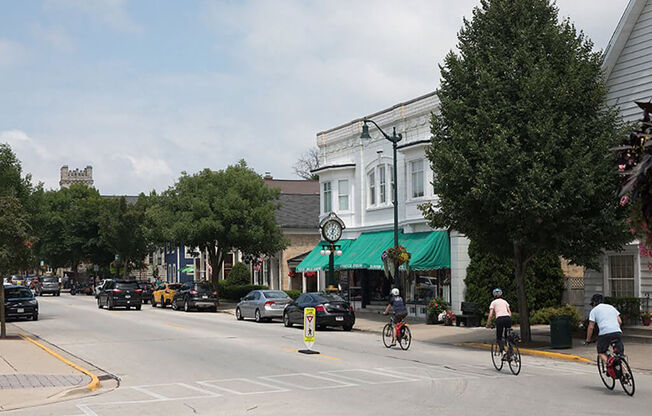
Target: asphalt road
{"points": [[175, 363]]}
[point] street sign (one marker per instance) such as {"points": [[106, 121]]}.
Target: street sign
{"points": [[96, 268], [117, 257], [309, 319]]}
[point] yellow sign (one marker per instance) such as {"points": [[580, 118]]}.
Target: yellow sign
{"points": [[309, 318]]}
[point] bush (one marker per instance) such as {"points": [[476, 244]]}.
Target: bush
{"points": [[543, 316], [435, 307], [239, 275], [235, 292], [294, 294], [629, 308]]}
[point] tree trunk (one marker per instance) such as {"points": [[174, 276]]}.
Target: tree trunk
{"points": [[126, 270], [520, 263], [216, 258], [3, 328]]}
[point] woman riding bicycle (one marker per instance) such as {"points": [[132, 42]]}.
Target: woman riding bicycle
{"points": [[400, 310], [503, 313]]}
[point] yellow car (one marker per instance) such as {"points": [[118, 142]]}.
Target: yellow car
{"points": [[164, 293]]}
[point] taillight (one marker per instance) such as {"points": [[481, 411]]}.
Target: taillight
{"points": [[193, 292], [116, 291], [139, 291], [269, 303], [214, 293], [351, 309], [320, 308]]}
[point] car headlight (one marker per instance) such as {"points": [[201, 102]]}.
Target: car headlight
{"points": [[32, 302]]}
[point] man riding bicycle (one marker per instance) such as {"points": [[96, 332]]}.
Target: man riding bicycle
{"points": [[500, 308], [400, 310], [608, 320]]}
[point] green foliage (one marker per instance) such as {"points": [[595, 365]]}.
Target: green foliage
{"points": [[544, 280], [15, 232], [436, 306], [629, 308], [239, 275], [294, 294], [543, 316], [235, 292]]}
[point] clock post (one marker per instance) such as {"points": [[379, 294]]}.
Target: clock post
{"points": [[331, 230]]}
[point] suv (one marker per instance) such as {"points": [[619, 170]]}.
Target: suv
{"points": [[49, 284], [20, 302], [120, 293], [195, 295]]}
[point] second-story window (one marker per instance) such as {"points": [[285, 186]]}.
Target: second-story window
{"points": [[416, 173], [371, 177], [343, 195], [382, 185], [327, 197]]}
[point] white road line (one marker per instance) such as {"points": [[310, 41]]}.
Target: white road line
{"points": [[397, 378], [87, 412], [338, 384], [271, 388], [209, 393], [150, 393]]}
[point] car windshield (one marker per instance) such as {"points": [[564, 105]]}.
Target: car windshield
{"points": [[275, 294], [126, 285], [18, 292], [145, 285], [205, 286], [51, 280], [327, 297]]}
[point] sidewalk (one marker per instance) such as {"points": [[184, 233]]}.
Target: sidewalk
{"points": [[30, 376]]}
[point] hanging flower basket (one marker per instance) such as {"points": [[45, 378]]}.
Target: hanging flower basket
{"points": [[394, 257]]}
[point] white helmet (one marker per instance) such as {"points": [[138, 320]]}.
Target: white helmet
{"points": [[394, 292]]}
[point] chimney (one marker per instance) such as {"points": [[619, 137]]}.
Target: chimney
{"points": [[268, 175]]}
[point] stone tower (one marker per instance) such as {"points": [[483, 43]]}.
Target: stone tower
{"points": [[76, 176]]}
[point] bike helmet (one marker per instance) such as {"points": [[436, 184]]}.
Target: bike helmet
{"points": [[596, 299], [497, 292], [395, 292]]}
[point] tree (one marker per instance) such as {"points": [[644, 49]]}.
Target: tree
{"points": [[520, 148], [219, 212], [307, 162]]}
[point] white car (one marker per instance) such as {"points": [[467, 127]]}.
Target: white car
{"points": [[99, 287]]}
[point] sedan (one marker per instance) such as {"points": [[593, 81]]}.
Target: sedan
{"points": [[330, 310], [262, 305], [195, 295], [20, 302], [50, 284], [120, 293]]}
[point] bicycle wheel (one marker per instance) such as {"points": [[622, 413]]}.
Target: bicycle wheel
{"points": [[387, 335], [496, 356], [627, 378], [606, 378], [515, 359], [406, 338]]}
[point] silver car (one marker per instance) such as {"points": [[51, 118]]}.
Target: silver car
{"points": [[262, 305]]}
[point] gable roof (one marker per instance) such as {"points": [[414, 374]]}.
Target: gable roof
{"points": [[621, 34], [294, 186], [298, 211]]}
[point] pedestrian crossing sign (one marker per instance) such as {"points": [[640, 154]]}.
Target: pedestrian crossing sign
{"points": [[309, 318]]}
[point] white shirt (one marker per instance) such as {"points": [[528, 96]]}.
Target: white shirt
{"points": [[606, 317]]}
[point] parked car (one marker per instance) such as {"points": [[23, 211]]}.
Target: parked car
{"points": [[195, 295], [20, 302], [100, 285], [18, 280], [148, 289], [164, 294], [120, 293], [262, 305], [330, 310], [49, 284]]}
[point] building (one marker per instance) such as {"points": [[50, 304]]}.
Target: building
{"points": [[627, 67], [355, 178], [76, 176]]}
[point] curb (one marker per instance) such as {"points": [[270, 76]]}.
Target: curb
{"points": [[95, 382], [528, 351]]}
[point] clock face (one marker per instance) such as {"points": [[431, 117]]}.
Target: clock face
{"points": [[332, 231]]}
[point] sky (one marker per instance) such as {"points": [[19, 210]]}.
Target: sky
{"points": [[143, 90]]}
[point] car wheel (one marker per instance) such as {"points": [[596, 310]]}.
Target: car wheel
{"points": [[58, 293], [153, 302], [145, 301], [35, 317], [186, 307], [213, 309], [138, 307], [286, 320], [347, 327], [238, 314], [257, 316], [110, 304], [99, 304], [163, 304], [174, 305]]}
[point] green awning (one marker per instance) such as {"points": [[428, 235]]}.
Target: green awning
{"points": [[429, 250], [314, 261]]}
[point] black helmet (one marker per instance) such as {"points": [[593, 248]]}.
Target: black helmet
{"points": [[596, 299]]}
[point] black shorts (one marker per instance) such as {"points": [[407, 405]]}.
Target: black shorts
{"points": [[604, 341], [399, 317]]}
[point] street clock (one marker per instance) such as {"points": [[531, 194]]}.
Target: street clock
{"points": [[331, 227]]}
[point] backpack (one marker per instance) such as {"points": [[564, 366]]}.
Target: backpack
{"points": [[614, 367]]}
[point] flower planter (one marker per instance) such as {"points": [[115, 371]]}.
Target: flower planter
{"points": [[647, 321]]}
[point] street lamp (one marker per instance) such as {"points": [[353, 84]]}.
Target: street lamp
{"points": [[394, 138], [331, 250]]}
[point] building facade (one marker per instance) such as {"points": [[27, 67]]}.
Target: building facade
{"points": [[76, 176]]}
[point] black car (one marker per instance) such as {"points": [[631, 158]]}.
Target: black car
{"points": [[20, 302], [148, 289], [195, 295], [120, 293], [330, 309], [49, 284]]}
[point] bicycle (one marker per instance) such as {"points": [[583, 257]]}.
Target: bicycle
{"points": [[402, 332], [616, 368], [513, 354]]}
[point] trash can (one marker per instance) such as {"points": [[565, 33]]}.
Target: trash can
{"points": [[561, 335]]}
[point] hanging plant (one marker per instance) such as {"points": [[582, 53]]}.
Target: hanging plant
{"points": [[395, 257]]}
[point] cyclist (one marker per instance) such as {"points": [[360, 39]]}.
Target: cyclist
{"points": [[608, 320], [500, 308], [400, 310]]}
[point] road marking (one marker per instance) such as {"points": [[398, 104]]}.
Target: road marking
{"points": [[150, 393], [305, 377], [87, 412], [175, 325], [270, 388], [188, 386], [383, 376]]}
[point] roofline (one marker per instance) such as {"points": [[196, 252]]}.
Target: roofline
{"points": [[403, 146], [346, 165], [621, 34], [387, 110], [289, 180]]}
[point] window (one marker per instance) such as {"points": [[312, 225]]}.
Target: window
{"points": [[343, 195], [327, 197], [371, 176], [382, 185], [621, 276], [416, 172]]}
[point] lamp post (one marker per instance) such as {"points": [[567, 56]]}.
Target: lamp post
{"points": [[394, 138], [331, 250]]}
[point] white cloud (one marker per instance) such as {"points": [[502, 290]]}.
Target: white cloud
{"points": [[147, 168], [55, 36], [111, 12], [11, 53]]}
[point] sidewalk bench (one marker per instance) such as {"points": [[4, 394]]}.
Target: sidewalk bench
{"points": [[470, 314]]}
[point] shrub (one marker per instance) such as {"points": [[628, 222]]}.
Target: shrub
{"points": [[543, 316], [294, 294], [235, 292], [239, 275], [435, 307]]}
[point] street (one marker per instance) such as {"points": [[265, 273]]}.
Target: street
{"points": [[177, 363]]}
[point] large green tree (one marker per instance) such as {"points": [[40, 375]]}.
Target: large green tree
{"points": [[219, 211], [520, 147]]}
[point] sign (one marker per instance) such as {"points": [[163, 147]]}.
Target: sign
{"points": [[96, 268], [117, 257], [309, 318]]}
